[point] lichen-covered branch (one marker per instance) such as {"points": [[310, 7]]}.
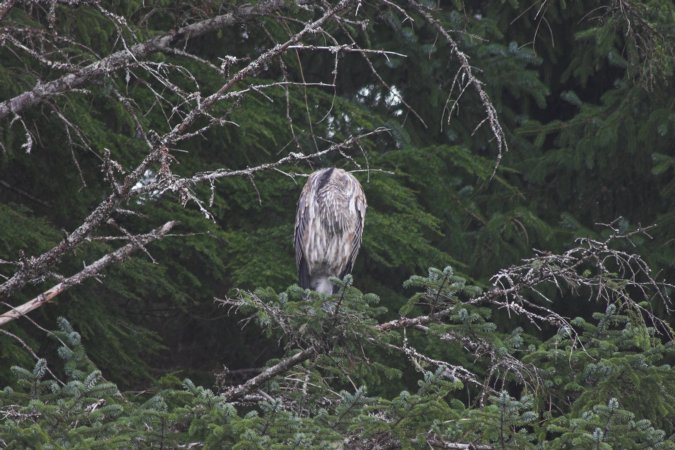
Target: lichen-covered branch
{"points": [[467, 73], [237, 392], [91, 270], [606, 274], [124, 58]]}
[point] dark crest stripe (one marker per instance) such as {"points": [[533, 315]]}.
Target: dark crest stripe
{"points": [[324, 179]]}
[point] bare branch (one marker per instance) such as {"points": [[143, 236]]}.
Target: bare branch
{"points": [[26, 347], [6, 185], [124, 58], [241, 390], [608, 274], [291, 158], [5, 7], [467, 72], [347, 48], [88, 272], [435, 442], [451, 371]]}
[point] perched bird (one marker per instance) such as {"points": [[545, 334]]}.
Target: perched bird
{"points": [[328, 228]]}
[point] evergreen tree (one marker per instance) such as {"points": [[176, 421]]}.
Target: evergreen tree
{"points": [[479, 132]]}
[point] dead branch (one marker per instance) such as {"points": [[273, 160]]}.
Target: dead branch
{"points": [[23, 193], [451, 371], [181, 183], [435, 442], [285, 364], [27, 347], [36, 266], [608, 274], [124, 58], [88, 272], [467, 72], [5, 7], [249, 70]]}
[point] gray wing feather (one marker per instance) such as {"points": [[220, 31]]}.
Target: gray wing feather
{"points": [[301, 220], [357, 238]]}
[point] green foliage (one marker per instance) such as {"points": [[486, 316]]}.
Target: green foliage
{"points": [[619, 360], [606, 427], [600, 384], [584, 93], [505, 421]]}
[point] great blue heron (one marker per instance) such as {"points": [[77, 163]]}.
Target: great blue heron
{"points": [[328, 228]]}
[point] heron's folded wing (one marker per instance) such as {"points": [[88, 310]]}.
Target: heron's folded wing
{"points": [[301, 220], [356, 239]]}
